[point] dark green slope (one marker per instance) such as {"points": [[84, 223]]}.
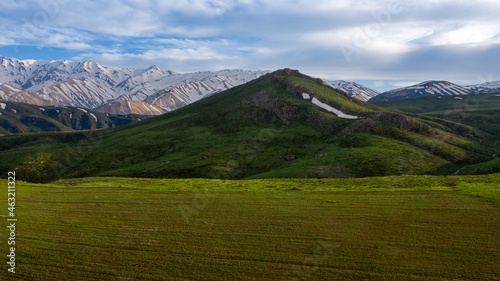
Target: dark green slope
{"points": [[18, 118], [261, 129]]}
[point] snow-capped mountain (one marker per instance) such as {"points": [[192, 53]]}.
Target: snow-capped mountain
{"points": [[203, 84], [6, 90], [437, 88], [488, 87], [353, 89], [90, 84], [32, 75]]}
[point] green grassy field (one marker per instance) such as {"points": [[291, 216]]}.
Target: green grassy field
{"points": [[398, 228]]}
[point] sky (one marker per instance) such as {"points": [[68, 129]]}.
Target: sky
{"points": [[380, 44]]}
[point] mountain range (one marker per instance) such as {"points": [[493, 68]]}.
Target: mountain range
{"points": [[91, 85], [437, 88], [282, 124], [155, 91]]}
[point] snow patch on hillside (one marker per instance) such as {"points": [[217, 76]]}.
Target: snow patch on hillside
{"points": [[2, 105], [335, 111], [95, 117]]}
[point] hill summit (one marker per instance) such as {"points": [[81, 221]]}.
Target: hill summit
{"points": [[283, 124]]}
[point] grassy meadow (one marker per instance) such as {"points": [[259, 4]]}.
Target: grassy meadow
{"points": [[398, 228]]}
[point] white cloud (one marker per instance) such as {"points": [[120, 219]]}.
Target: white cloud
{"points": [[391, 39], [387, 39], [6, 41], [182, 60], [205, 7], [201, 53], [403, 84], [11, 4], [190, 43], [469, 33]]}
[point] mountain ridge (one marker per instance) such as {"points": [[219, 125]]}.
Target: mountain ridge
{"points": [[266, 128], [90, 84], [353, 89], [435, 87]]}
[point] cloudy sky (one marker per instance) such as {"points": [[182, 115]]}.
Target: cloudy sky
{"points": [[382, 44]]}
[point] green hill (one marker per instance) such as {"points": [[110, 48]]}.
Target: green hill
{"points": [[262, 129], [478, 112], [18, 118]]}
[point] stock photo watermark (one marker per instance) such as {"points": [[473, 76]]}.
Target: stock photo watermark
{"points": [[11, 221], [34, 24], [41, 18], [363, 36]]}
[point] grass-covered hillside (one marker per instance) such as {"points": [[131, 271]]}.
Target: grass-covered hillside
{"points": [[262, 129], [18, 118], [477, 112]]}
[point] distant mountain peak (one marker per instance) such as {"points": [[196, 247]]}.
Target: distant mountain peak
{"points": [[437, 87], [353, 89]]}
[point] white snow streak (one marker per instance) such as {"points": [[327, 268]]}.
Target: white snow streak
{"points": [[333, 110]]}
